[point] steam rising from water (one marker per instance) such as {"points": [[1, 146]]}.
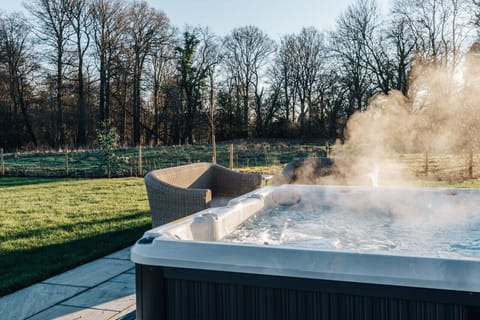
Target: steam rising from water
{"points": [[441, 115]]}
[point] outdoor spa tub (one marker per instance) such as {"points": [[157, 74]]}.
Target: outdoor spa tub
{"points": [[317, 252]]}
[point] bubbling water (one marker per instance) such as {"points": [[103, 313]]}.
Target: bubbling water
{"points": [[446, 224]]}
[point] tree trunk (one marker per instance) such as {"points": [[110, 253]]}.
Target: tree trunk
{"points": [[107, 95], [26, 118], [60, 129], [82, 108], [17, 97], [212, 120], [102, 93], [287, 100], [136, 105], [245, 108], [259, 120]]}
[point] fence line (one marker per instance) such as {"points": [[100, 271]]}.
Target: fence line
{"points": [[137, 161], [2, 161]]}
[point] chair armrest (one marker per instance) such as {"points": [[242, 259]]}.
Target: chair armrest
{"points": [[169, 202], [231, 183]]}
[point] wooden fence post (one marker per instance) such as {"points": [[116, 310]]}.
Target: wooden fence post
{"points": [[231, 156], [214, 149], [140, 169], [2, 161], [66, 160], [426, 162], [470, 164]]}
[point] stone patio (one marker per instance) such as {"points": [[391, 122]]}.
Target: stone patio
{"points": [[101, 289]]}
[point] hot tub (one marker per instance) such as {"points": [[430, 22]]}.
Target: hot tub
{"points": [[317, 252]]}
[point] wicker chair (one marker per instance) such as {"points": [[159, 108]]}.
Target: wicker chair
{"points": [[180, 191]]}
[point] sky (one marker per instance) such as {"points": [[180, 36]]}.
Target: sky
{"points": [[275, 17]]}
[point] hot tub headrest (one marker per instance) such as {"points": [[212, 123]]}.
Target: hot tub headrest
{"points": [[306, 171], [285, 197]]}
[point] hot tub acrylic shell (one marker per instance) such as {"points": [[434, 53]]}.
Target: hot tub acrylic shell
{"points": [[183, 272]]}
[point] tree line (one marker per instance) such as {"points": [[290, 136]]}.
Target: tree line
{"points": [[69, 67]]}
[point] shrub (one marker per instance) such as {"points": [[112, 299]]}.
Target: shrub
{"points": [[108, 141]]}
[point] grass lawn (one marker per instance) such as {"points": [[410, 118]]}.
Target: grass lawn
{"points": [[51, 225]]}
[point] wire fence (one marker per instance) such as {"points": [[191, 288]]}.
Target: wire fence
{"points": [[260, 157], [138, 161]]}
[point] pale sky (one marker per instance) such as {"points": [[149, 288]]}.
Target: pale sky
{"points": [[275, 17]]}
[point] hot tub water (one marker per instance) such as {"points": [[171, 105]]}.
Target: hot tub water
{"points": [[442, 224]]}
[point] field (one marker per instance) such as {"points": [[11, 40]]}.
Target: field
{"points": [[51, 224]]}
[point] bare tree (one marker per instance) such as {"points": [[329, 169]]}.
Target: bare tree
{"points": [[81, 25], [376, 51], [247, 50], [309, 56], [162, 71], [210, 56], [285, 63], [228, 105], [53, 29], [108, 23], [273, 112], [439, 27], [404, 42], [15, 54], [348, 47], [147, 30]]}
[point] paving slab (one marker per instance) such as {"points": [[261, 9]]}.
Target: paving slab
{"points": [[123, 254], [113, 296], [32, 300], [127, 314], [125, 278], [93, 273], [60, 312], [102, 289]]}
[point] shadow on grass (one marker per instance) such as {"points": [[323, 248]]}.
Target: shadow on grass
{"points": [[70, 227], [22, 268], [26, 181]]}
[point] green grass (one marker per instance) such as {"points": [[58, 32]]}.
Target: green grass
{"points": [[51, 225]]}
